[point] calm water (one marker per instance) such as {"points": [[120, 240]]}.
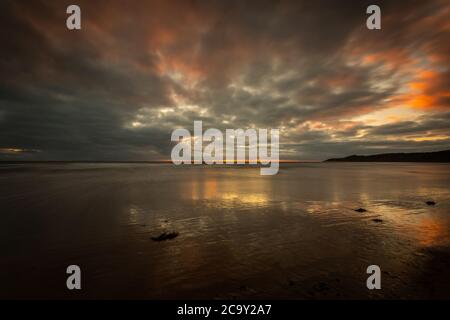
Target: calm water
{"points": [[241, 235]]}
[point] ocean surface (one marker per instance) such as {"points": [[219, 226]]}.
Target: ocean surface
{"points": [[241, 235]]}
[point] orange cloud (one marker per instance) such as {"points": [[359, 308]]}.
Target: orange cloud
{"points": [[427, 91]]}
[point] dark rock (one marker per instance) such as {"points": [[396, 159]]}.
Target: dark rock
{"points": [[165, 236], [430, 203], [377, 220], [360, 210], [291, 283]]}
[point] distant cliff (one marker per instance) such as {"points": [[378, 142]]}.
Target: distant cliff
{"points": [[439, 156]]}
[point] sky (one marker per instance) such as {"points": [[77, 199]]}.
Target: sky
{"points": [[137, 70]]}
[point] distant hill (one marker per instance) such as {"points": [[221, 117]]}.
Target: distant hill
{"points": [[439, 156]]}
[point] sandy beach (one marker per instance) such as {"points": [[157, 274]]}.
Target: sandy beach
{"points": [[238, 234]]}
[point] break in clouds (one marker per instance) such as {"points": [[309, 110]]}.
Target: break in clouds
{"points": [[137, 70]]}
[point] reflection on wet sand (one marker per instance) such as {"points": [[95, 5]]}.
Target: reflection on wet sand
{"points": [[434, 231], [294, 235], [231, 191]]}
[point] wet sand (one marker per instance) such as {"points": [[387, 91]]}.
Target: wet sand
{"points": [[239, 235]]}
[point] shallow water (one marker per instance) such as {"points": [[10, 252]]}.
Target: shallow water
{"points": [[294, 235]]}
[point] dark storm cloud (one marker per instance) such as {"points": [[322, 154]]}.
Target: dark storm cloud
{"points": [[436, 122], [138, 69]]}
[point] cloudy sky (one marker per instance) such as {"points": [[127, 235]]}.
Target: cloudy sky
{"points": [[137, 70]]}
